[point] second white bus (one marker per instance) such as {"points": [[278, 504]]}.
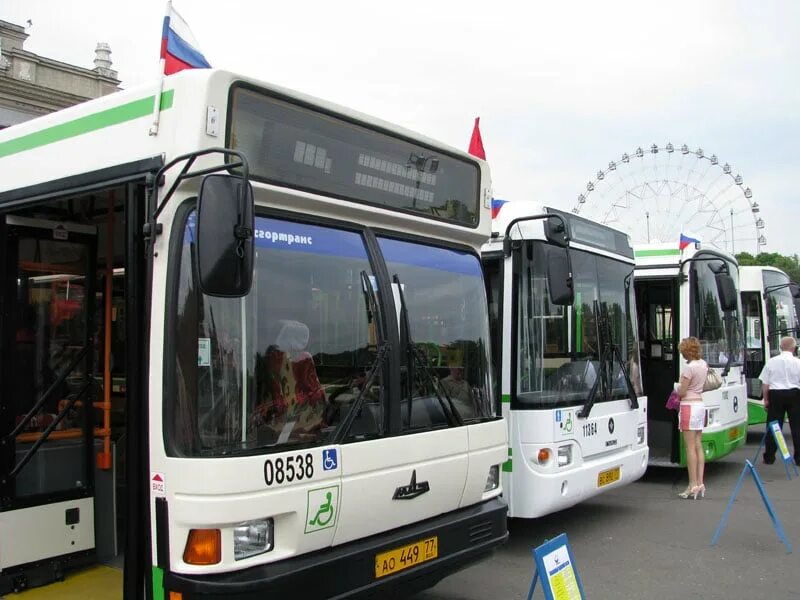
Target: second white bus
{"points": [[564, 345]]}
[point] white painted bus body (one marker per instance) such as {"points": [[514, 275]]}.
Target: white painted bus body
{"points": [[223, 492], [613, 439]]}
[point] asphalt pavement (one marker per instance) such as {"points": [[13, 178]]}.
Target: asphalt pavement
{"points": [[642, 541]]}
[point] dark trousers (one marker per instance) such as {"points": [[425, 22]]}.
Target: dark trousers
{"points": [[784, 402]]}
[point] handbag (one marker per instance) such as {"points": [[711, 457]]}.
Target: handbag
{"points": [[713, 381], [674, 401]]}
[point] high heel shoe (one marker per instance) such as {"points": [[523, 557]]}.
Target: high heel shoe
{"points": [[699, 490], [686, 493]]}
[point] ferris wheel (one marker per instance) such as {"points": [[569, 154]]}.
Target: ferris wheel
{"points": [[656, 195]]}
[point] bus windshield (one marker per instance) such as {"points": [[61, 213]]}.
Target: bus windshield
{"points": [[559, 347], [282, 366], [718, 330], [446, 301], [781, 317]]}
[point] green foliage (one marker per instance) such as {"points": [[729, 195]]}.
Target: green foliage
{"points": [[789, 264]]}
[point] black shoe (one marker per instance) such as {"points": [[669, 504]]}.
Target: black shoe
{"points": [[768, 460]]}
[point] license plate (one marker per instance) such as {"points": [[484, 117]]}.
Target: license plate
{"points": [[606, 477], [406, 557], [733, 433]]}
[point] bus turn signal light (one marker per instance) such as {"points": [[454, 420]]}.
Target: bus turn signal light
{"points": [[544, 455], [203, 547]]}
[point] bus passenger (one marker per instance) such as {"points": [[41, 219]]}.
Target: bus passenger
{"points": [[293, 390], [458, 388]]}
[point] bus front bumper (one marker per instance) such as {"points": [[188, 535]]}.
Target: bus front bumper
{"points": [[539, 494], [348, 571]]}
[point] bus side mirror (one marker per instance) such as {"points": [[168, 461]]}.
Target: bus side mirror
{"points": [[556, 232], [727, 291], [225, 227], [559, 276], [795, 290]]}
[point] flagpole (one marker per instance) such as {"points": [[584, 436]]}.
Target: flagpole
{"points": [[161, 68]]}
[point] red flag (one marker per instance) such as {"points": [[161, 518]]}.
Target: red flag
{"points": [[476, 143]]}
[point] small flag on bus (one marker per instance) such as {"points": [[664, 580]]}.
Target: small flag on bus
{"points": [[476, 143], [179, 50], [686, 240]]}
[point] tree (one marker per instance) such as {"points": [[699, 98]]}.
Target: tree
{"points": [[789, 264]]}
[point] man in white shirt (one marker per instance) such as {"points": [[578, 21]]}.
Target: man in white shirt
{"points": [[780, 383]]}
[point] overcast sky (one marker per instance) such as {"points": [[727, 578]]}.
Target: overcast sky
{"points": [[561, 88]]}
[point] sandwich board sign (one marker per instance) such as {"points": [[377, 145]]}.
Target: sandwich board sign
{"points": [[555, 566]]}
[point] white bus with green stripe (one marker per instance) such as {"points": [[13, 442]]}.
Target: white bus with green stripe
{"points": [[682, 293], [243, 354], [771, 307], [565, 356]]}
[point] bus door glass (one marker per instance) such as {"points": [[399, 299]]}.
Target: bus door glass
{"points": [[658, 319], [47, 375], [754, 341]]}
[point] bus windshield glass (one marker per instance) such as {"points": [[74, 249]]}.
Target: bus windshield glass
{"points": [[558, 358], [280, 367], [446, 303], [719, 331], [306, 149], [781, 317]]}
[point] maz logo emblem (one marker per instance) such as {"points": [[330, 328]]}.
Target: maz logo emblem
{"points": [[611, 426], [412, 490]]}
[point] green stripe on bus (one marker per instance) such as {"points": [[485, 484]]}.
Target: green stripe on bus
{"points": [[667, 252], [507, 464], [505, 398], [158, 583], [86, 124]]}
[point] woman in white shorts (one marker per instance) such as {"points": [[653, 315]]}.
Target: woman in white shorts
{"points": [[692, 417]]}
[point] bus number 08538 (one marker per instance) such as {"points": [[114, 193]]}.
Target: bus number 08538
{"points": [[289, 469]]}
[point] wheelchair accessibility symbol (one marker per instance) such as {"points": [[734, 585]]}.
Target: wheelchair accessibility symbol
{"points": [[322, 508], [329, 462]]}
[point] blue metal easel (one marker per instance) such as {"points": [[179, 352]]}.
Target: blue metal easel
{"points": [[748, 466], [787, 458]]}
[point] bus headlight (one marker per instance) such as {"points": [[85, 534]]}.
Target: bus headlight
{"points": [[565, 455], [493, 480], [640, 435], [252, 538], [712, 416]]}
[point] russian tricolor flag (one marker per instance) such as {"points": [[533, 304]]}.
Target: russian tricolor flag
{"points": [[178, 46], [497, 204], [686, 240]]}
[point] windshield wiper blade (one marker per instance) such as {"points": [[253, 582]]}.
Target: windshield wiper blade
{"points": [[373, 313], [609, 352], [418, 359], [355, 407]]}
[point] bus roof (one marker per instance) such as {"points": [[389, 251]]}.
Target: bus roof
{"points": [[114, 130], [584, 232], [751, 277]]}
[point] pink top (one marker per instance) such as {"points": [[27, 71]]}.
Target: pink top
{"points": [[696, 372]]}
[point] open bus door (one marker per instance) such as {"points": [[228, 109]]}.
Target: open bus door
{"points": [[656, 305], [47, 486], [72, 472]]}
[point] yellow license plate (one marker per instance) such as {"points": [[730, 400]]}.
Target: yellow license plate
{"points": [[606, 477], [733, 433], [406, 557]]}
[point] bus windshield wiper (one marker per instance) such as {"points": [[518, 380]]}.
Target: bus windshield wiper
{"points": [[355, 407], [609, 352], [417, 358], [377, 363]]}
